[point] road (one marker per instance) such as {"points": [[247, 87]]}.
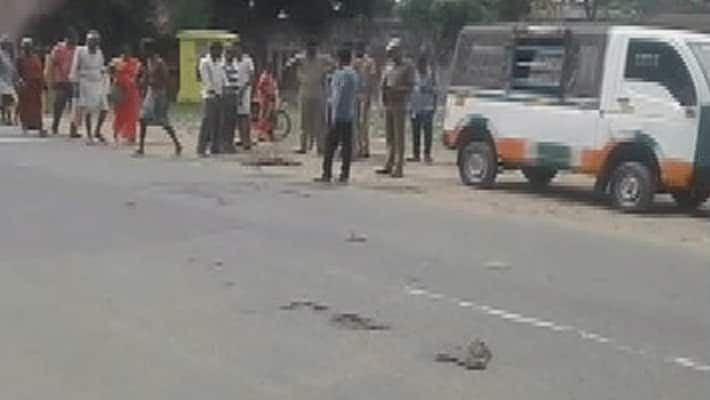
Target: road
{"points": [[165, 279]]}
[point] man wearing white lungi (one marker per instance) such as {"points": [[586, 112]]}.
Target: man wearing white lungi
{"points": [[89, 72]]}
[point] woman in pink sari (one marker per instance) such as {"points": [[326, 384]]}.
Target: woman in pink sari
{"points": [[267, 92], [127, 102]]}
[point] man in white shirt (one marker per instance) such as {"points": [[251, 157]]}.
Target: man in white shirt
{"points": [[246, 81], [89, 71], [213, 80]]}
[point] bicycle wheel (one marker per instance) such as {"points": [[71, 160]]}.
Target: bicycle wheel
{"points": [[282, 125]]}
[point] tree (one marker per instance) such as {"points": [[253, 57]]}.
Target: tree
{"points": [[119, 21], [436, 23], [189, 13], [641, 7]]}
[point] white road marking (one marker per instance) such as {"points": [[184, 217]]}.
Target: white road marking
{"points": [[543, 324], [512, 316], [583, 334], [417, 292]]}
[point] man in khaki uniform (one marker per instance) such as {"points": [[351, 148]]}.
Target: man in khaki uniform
{"points": [[397, 84], [311, 75]]}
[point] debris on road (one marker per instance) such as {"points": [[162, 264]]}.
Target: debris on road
{"points": [[218, 266], [272, 162], [356, 322], [297, 193], [356, 238], [301, 304], [497, 266], [130, 204], [477, 356]]}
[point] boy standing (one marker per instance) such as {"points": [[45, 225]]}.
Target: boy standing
{"points": [[344, 87]]}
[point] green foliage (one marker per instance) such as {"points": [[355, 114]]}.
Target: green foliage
{"points": [[441, 20], [191, 13]]}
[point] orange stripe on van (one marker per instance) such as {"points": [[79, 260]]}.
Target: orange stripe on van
{"points": [[592, 160], [512, 150], [676, 173]]}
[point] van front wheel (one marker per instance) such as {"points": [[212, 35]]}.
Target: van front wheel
{"points": [[691, 199], [633, 187], [478, 164]]}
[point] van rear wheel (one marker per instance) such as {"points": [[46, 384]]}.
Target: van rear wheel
{"points": [[539, 177], [691, 199], [478, 164], [632, 187]]}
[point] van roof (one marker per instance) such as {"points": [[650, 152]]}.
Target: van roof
{"points": [[588, 28]]}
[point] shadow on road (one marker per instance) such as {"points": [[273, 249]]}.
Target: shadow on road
{"points": [[587, 197]]}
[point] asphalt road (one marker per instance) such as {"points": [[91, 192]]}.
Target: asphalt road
{"points": [[163, 279]]}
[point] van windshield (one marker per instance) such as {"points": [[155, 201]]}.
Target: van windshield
{"points": [[702, 53]]}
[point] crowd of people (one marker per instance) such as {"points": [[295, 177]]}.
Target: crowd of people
{"points": [[335, 96], [80, 77]]}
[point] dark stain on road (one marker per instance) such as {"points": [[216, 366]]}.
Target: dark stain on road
{"points": [[356, 238], [397, 189], [304, 304], [350, 321], [356, 322]]}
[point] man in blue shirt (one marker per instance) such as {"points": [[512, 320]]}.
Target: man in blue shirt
{"points": [[423, 107], [343, 91]]}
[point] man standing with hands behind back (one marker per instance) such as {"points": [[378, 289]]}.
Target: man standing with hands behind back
{"points": [[397, 85], [343, 90], [246, 72], [213, 82]]}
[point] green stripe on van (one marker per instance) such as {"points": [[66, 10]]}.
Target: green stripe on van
{"points": [[554, 155]]}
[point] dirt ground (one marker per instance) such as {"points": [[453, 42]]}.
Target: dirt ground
{"points": [[569, 200]]}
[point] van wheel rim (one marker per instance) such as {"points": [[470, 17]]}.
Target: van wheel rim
{"points": [[629, 191], [476, 167]]}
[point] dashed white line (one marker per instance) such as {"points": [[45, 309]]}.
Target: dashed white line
{"points": [[684, 362], [510, 316], [435, 296]]}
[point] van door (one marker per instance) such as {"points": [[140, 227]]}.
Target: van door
{"points": [[655, 101]]}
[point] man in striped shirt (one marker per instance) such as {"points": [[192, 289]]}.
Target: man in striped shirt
{"points": [[230, 99]]}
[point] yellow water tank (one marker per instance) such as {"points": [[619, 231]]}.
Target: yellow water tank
{"points": [[194, 44]]}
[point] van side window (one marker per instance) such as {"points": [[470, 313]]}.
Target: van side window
{"points": [[652, 61], [538, 65]]}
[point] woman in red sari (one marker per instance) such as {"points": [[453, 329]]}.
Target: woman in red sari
{"points": [[126, 70], [29, 88], [267, 93]]}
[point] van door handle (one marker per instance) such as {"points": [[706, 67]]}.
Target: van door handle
{"points": [[623, 100], [690, 112]]}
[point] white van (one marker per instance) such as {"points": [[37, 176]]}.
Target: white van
{"points": [[629, 105]]}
